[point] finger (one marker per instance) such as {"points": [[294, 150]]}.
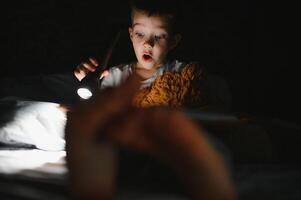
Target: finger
{"points": [[79, 74], [93, 61], [170, 130], [104, 74], [149, 130], [129, 132], [83, 68], [89, 66]]}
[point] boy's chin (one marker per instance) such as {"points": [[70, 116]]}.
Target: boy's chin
{"points": [[147, 65]]}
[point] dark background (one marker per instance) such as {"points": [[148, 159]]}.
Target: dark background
{"points": [[245, 41]]}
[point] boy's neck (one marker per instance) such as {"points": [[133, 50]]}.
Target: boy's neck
{"points": [[145, 73]]}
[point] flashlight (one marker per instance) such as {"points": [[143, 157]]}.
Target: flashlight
{"points": [[92, 82]]}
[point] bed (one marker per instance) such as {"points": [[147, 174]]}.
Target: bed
{"points": [[32, 156]]}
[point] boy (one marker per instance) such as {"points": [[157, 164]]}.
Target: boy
{"points": [[152, 35], [154, 32]]}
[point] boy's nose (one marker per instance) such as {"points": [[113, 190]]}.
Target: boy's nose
{"points": [[149, 43]]}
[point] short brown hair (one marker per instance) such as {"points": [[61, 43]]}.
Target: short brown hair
{"points": [[169, 9]]}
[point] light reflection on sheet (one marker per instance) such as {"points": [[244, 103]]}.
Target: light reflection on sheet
{"points": [[32, 160]]}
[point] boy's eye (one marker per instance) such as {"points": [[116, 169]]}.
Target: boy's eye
{"points": [[159, 37], [139, 35]]}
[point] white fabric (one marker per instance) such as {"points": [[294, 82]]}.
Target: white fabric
{"points": [[119, 74], [33, 162], [40, 124]]}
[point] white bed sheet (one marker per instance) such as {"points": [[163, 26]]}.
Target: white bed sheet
{"points": [[33, 162], [40, 124]]}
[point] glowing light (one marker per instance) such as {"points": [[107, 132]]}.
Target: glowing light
{"points": [[84, 93]]}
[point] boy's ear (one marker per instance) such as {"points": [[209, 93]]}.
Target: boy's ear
{"points": [[131, 32], [175, 41]]}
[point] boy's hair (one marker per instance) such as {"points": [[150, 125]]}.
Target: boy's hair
{"points": [[169, 9]]}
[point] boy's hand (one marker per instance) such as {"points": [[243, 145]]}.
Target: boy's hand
{"points": [[85, 67]]}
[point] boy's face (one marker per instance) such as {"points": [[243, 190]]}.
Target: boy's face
{"points": [[151, 39]]}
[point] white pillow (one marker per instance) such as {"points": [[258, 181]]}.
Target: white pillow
{"points": [[36, 123]]}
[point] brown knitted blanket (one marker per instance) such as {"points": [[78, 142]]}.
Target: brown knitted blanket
{"points": [[175, 89]]}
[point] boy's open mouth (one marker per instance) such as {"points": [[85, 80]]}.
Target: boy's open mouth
{"points": [[147, 57]]}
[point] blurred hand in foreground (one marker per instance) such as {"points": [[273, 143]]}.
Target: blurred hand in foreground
{"points": [[163, 133]]}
